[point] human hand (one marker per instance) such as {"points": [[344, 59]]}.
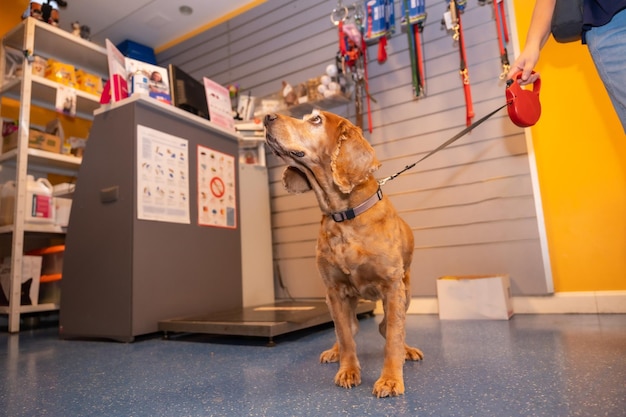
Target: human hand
{"points": [[525, 63]]}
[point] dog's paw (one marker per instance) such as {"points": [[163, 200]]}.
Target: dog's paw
{"points": [[348, 377], [413, 354], [330, 355], [387, 387]]}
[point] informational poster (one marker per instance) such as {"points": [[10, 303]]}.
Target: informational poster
{"points": [[217, 202], [162, 176], [218, 102]]}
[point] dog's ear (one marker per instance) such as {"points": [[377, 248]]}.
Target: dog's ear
{"points": [[295, 181], [353, 161]]}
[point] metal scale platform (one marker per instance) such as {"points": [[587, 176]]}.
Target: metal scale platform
{"points": [[267, 320]]}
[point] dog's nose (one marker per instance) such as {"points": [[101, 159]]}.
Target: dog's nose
{"points": [[269, 118]]}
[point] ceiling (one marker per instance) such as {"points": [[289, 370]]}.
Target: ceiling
{"points": [[155, 23]]}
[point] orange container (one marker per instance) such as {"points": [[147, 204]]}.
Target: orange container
{"points": [[52, 261], [51, 271]]}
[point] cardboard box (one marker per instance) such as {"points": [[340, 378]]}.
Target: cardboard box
{"points": [[475, 297], [36, 140], [89, 83], [31, 270], [61, 73], [62, 209]]}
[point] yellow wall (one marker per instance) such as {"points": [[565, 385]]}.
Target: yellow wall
{"points": [[580, 149]]}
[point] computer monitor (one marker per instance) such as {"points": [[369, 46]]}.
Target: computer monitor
{"points": [[187, 92]]}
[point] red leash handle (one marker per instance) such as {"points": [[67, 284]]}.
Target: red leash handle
{"points": [[523, 104]]}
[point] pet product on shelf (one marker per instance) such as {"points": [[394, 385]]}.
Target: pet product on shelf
{"points": [[39, 202]]}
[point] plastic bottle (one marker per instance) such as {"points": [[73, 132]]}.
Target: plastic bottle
{"points": [[39, 202]]}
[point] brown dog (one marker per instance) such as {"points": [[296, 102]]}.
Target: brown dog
{"points": [[364, 248]]}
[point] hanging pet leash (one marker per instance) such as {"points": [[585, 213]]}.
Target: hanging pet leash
{"points": [[366, 86], [418, 29], [503, 34], [352, 54], [414, 14], [452, 20], [523, 107]]}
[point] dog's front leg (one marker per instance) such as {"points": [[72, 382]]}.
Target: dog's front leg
{"points": [[342, 311], [391, 381]]}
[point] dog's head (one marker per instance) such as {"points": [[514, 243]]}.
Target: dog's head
{"points": [[320, 146]]}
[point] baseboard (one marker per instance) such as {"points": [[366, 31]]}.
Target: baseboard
{"points": [[591, 302], [588, 302]]}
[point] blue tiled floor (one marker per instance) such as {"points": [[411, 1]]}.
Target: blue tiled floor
{"points": [[550, 365]]}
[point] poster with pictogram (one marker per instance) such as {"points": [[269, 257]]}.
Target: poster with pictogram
{"points": [[217, 202], [162, 176]]}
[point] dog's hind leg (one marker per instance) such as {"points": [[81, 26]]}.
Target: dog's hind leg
{"points": [[342, 311]]}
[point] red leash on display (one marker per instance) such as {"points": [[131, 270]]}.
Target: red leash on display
{"points": [[365, 76], [418, 28], [503, 35], [456, 11]]}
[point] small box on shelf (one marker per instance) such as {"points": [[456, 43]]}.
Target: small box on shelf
{"points": [[61, 73], [36, 140]]}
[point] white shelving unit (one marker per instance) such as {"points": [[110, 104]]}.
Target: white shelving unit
{"points": [[34, 38]]}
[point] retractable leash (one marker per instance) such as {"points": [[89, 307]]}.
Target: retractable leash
{"points": [[523, 106]]}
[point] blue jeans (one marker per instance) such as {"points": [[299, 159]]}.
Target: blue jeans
{"points": [[607, 45]]}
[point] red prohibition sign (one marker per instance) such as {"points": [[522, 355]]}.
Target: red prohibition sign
{"points": [[217, 187]]}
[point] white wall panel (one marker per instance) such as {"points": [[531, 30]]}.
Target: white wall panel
{"points": [[471, 206]]}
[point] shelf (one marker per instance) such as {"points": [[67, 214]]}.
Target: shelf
{"points": [[34, 38], [32, 309], [42, 228], [54, 162], [56, 43], [44, 92], [301, 109]]}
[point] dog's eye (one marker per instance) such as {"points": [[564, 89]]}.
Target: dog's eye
{"points": [[316, 119]]}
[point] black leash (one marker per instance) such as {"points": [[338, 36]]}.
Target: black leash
{"points": [[446, 143]]}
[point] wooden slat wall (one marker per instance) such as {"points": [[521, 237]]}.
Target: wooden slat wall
{"points": [[471, 206]]}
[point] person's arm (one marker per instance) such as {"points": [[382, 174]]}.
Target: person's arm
{"points": [[538, 34]]}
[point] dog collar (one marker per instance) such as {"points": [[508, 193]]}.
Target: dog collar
{"points": [[351, 213]]}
